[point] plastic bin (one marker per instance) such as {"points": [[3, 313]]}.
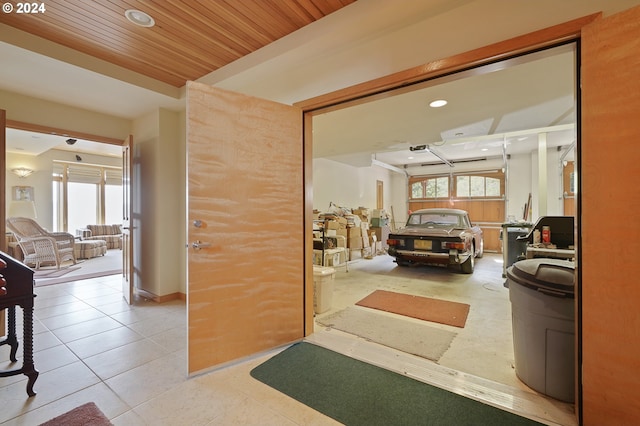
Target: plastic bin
{"points": [[323, 283], [542, 306]]}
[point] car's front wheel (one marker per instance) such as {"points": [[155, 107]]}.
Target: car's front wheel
{"points": [[467, 266]]}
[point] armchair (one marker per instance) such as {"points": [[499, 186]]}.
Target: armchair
{"points": [[40, 246]]}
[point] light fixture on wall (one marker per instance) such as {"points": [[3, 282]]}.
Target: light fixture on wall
{"points": [[22, 172]]}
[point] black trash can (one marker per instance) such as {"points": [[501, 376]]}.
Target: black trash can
{"points": [[512, 248], [542, 308]]}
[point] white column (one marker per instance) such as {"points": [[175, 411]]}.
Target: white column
{"points": [[542, 174]]}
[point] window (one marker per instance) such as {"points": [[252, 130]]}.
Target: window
{"points": [[436, 187], [417, 190], [84, 194], [478, 186], [82, 202], [446, 220]]}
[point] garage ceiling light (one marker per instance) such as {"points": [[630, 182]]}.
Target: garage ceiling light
{"points": [[438, 103]]}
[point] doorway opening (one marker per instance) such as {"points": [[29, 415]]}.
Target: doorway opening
{"points": [[492, 122], [69, 175]]}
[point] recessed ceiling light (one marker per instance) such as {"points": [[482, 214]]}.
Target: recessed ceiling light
{"points": [[410, 158], [484, 149], [139, 18], [438, 103]]}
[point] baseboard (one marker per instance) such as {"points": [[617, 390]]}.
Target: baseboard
{"points": [[161, 299]]}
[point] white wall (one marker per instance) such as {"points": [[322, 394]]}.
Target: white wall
{"points": [[348, 186], [159, 207], [32, 110], [554, 188], [519, 184]]}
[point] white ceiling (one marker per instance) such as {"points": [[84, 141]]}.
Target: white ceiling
{"points": [[498, 109], [32, 143]]}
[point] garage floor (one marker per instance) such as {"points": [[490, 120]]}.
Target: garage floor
{"points": [[483, 349]]}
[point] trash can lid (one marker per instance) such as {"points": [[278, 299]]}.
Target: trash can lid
{"points": [[555, 277]]}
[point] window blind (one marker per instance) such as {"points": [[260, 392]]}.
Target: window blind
{"points": [[88, 174]]}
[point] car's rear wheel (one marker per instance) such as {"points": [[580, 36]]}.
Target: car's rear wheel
{"points": [[467, 266]]}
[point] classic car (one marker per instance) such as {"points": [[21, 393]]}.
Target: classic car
{"points": [[437, 236]]}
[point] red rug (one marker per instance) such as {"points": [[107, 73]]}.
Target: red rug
{"points": [[424, 308], [85, 415]]}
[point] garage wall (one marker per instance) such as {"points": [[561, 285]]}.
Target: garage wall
{"points": [[554, 204], [348, 186], [518, 184]]}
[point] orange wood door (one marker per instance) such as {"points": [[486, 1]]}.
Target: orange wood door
{"points": [[609, 201], [3, 188], [245, 226], [127, 241]]}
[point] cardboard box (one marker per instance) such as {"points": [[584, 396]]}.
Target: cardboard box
{"points": [[379, 221], [355, 232], [362, 213], [332, 224], [355, 243]]}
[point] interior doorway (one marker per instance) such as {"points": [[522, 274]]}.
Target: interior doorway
{"points": [[62, 174], [499, 136]]}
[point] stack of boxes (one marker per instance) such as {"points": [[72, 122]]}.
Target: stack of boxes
{"points": [[380, 228], [355, 234]]}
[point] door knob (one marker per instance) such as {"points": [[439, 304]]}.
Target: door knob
{"points": [[197, 245]]}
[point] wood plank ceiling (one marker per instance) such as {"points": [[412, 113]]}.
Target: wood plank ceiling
{"points": [[189, 40]]}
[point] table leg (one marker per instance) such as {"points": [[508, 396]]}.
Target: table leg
{"points": [[28, 367], [12, 338]]}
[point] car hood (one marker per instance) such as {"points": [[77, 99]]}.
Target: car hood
{"points": [[432, 232]]}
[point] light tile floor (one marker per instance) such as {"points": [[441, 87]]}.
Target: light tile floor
{"points": [[131, 360]]}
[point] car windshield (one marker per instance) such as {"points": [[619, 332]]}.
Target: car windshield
{"points": [[445, 220]]}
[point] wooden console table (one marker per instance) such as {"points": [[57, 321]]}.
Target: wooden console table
{"points": [[16, 289]]}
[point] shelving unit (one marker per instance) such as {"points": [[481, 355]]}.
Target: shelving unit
{"points": [[329, 255]]}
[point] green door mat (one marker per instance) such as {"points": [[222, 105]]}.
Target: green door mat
{"points": [[356, 393]]}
